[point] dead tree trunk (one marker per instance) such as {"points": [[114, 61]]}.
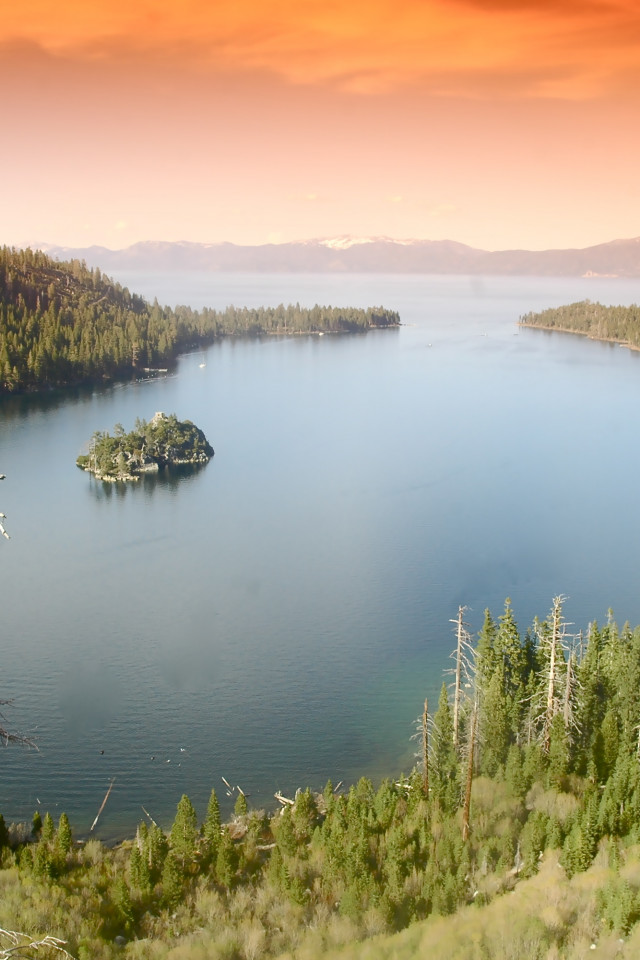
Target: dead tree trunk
{"points": [[425, 749], [554, 640], [463, 672], [458, 675]]}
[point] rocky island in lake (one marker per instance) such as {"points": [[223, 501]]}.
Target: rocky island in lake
{"points": [[162, 442]]}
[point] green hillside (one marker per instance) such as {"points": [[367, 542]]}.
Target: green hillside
{"points": [[517, 836], [61, 324], [545, 917]]}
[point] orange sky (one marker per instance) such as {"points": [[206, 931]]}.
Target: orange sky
{"points": [[498, 123]]}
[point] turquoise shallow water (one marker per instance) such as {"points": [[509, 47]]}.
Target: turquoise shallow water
{"points": [[278, 617]]}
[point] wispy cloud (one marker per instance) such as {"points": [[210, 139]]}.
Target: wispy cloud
{"points": [[554, 49]]}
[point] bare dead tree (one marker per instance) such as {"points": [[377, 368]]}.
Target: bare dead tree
{"points": [[425, 748], [427, 734], [560, 676], [551, 707], [421, 734], [7, 736], [14, 944], [464, 670]]}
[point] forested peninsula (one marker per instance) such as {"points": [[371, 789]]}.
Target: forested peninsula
{"points": [[616, 324], [528, 785], [164, 441], [62, 324]]}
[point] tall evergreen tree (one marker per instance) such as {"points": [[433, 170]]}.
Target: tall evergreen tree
{"points": [[172, 881], [486, 657], [226, 861], [64, 839], [444, 783], [184, 831], [211, 828]]}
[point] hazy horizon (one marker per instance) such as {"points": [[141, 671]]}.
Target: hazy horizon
{"points": [[350, 240], [498, 125]]}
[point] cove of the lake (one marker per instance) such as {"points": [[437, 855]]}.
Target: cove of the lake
{"points": [[277, 617]]}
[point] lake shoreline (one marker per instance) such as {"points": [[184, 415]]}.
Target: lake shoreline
{"points": [[579, 333], [105, 380], [280, 615]]}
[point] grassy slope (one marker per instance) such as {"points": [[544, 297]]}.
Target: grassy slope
{"points": [[542, 918]]}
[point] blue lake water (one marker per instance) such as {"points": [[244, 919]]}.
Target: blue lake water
{"points": [[278, 617]]}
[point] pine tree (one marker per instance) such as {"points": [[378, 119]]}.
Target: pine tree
{"points": [[64, 839], [43, 866], [48, 829], [495, 724], [226, 861], [138, 867], [607, 744], [284, 832], [240, 807], [171, 881], [444, 785], [485, 653], [276, 871], [591, 704], [514, 774], [558, 752], [122, 902], [508, 648], [155, 851], [211, 828], [328, 796], [184, 831], [304, 815]]}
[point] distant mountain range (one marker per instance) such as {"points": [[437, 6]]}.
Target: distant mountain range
{"points": [[619, 258]]}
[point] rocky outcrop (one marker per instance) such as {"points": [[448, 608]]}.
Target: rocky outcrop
{"points": [[162, 442]]}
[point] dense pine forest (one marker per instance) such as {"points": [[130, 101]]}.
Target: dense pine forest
{"points": [[527, 783], [618, 324], [61, 324]]}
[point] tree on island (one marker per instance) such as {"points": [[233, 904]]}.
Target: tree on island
{"points": [[163, 441]]}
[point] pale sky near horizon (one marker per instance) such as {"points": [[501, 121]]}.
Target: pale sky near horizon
{"points": [[497, 123]]}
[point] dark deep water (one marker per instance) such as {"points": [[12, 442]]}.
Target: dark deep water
{"points": [[278, 617]]}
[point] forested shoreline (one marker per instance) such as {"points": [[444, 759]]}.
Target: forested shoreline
{"points": [[531, 758], [63, 324], [616, 324]]}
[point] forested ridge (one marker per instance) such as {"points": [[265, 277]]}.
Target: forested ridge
{"points": [[530, 762], [616, 323], [62, 323]]}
